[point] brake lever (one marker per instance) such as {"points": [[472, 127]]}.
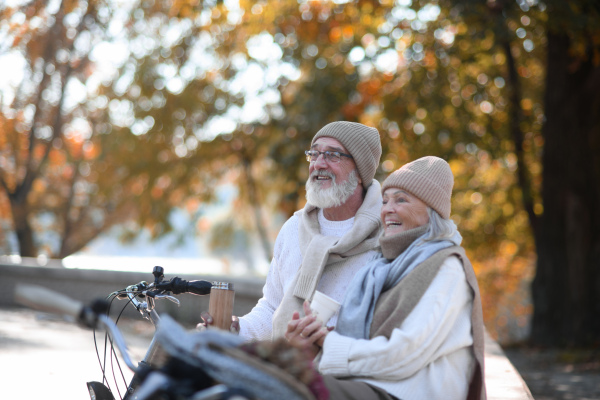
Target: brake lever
{"points": [[168, 297]]}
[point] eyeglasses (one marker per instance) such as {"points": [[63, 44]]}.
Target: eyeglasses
{"points": [[330, 156]]}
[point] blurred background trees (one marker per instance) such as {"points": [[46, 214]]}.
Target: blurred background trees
{"points": [[124, 111]]}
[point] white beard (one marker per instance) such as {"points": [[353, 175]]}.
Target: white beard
{"points": [[334, 196]]}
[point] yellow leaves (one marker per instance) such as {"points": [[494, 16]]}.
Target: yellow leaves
{"points": [[504, 278], [187, 9], [499, 59], [508, 248], [526, 106], [366, 19], [458, 167], [508, 210], [70, 5], [476, 198], [448, 111], [488, 42]]}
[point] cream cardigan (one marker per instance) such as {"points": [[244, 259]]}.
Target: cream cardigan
{"points": [[430, 356]]}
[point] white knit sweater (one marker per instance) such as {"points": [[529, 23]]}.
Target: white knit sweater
{"points": [[429, 357], [287, 258]]}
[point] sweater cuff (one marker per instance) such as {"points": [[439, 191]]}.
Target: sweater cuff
{"points": [[334, 358], [244, 329]]}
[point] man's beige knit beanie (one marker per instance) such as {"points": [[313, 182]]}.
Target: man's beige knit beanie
{"points": [[363, 144], [428, 178]]}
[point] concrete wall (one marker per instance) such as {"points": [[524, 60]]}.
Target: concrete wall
{"points": [[86, 285]]}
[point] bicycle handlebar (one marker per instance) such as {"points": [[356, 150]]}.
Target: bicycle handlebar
{"points": [[178, 286]]}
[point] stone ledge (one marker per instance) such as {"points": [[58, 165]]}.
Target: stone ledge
{"points": [[86, 285], [503, 381]]}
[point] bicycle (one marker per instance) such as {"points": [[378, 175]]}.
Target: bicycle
{"points": [[214, 365]]}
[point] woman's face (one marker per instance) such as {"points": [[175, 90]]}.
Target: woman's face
{"points": [[402, 211]]}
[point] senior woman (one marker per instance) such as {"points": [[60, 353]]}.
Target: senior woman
{"points": [[410, 326]]}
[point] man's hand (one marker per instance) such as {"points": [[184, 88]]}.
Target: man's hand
{"points": [[307, 332], [207, 320]]}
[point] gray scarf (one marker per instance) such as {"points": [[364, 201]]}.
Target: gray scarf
{"points": [[318, 251], [381, 274]]}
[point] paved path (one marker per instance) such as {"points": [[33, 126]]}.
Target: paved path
{"points": [[559, 375], [45, 357], [42, 357]]}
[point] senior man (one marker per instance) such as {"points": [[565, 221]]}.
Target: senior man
{"points": [[323, 245]]}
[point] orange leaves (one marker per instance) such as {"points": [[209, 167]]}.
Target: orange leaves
{"points": [[370, 87], [138, 187], [90, 150], [504, 280], [335, 34], [160, 186]]}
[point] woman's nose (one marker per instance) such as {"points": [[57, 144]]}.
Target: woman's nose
{"points": [[386, 208]]}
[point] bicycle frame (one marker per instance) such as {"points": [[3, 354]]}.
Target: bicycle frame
{"points": [[147, 308]]}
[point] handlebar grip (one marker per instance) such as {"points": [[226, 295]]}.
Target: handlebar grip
{"points": [[200, 288], [48, 300]]}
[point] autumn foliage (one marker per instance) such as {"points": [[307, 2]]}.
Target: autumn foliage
{"points": [[123, 113]]}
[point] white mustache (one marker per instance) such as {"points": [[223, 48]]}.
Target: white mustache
{"points": [[322, 172]]}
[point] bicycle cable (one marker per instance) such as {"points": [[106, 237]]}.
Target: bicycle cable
{"points": [[110, 297], [114, 354], [102, 365]]}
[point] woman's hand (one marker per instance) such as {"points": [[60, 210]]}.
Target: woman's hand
{"points": [[307, 332]]}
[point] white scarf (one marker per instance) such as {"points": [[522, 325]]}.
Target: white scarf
{"points": [[381, 274], [318, 251]]}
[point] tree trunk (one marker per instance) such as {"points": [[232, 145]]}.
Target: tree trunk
{"points": [[254, 203], [27, 247], [566, 289]]}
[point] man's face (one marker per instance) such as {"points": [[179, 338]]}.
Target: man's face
{"points": [[340, 170], [331, 184]]}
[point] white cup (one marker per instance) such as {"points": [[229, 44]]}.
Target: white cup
{"points": [[323, 307]]}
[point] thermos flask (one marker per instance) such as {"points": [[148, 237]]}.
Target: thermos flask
{"points": [[220, 305]]}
